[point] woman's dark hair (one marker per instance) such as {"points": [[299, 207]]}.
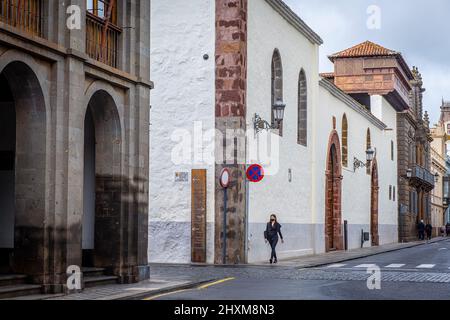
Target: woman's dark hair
{"points": [[274, 216]]}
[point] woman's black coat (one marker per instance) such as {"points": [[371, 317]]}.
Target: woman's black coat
{"points": [[272, 231]]}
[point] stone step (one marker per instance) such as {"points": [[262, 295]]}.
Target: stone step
{"points": [[93, 272], [14, 291], [90, 282], [12, 279]]}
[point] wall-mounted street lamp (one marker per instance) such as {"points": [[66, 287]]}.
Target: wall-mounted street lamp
{"points": [[408, 174], [278, 114], [436, 177], [370, 155]]}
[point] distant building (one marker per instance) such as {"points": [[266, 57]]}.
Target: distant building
{"points": [[439, 170], [446, 200], [444, 124], [367, 71]]}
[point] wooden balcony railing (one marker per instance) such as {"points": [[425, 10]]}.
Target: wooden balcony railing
{"points": [[102, 45], [25, 15], [422, 177]]}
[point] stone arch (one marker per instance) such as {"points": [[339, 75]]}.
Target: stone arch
{"points": [[103, 167], [374, 194], [302, 130], [333, 195], [97, 86], [26, 159]]}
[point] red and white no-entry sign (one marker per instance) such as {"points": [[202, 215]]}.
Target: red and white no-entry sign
{"points": [[225, 178]]}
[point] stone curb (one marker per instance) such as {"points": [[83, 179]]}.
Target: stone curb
{"points": [[142, 295]]}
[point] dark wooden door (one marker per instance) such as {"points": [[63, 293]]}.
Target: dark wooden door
{"points": [[198, 216]]}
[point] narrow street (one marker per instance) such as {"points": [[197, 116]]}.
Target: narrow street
{"points": [[421, 272]]}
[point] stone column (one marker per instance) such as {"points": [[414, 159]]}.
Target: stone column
{"points": [[231, 82], [71, 116]]}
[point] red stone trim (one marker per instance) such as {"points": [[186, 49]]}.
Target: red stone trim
{"points": [[230, 111], [374, 204], [231, 58], [333, 195]]}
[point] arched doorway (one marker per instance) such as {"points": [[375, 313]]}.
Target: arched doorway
{"points": [[102, 217], [22, 172], [333, 188], [374, 205]]}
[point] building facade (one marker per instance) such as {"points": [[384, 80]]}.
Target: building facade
{"points": [[440, 133], [74, 139], [415, 179], [368, 70], [221, 113], [439, 171]]}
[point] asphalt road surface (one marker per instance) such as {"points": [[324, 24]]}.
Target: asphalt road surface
{"points": [[421, 272]]}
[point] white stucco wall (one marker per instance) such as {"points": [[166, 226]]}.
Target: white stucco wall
{"points": [[291, 201], [356, 186], [183, 98]]}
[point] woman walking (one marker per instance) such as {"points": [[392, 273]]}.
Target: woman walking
{"points": [[273, 229]]}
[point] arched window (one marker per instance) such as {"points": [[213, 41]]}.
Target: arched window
{"points": [[302, 130], [344, 141], [277, 84], [368, 146]]}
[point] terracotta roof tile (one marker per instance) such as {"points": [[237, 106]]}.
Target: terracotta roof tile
{"points": [[327, 75], [370, 49], [365, 49]]}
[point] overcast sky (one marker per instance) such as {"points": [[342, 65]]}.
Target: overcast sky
{"points": [[419, 29]]}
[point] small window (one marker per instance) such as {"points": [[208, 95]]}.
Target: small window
{"points": [[302, 130], [390, 192], [101, 9], [344, 141], [393, 194], [277, 84], [368, 146], [392, 150]]}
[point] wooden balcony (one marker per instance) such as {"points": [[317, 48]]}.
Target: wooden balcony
{"points": [[422, 178], [102, 40], [25, 15]]}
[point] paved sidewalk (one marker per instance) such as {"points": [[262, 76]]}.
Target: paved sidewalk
{"points": [[156, 285], [318, 260], [312, 261]]}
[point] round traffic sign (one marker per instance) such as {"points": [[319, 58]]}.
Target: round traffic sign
{"points": [[255, 173], [225, 178]]}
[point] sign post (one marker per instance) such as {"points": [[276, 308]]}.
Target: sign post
{"points": [[225, 183]]}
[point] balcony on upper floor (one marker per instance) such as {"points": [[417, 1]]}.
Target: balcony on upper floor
{"points": [[25, 15], [422, 178], [102, 32]]}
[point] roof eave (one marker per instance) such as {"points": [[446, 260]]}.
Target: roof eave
{"points": [[291, 17]]}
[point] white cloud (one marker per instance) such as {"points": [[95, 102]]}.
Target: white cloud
{"points": [[418, 29]]}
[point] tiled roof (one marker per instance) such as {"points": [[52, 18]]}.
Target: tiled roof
{"points": [[365, 49], [327, 75], [370, 49]]}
